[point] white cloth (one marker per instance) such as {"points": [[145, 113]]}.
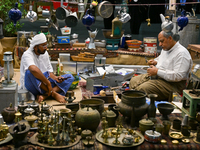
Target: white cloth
{"points": [[30, 58], [174, 65], [37, 39]]}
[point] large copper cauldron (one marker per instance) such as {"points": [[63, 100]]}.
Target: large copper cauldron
{"points": [[139, 100]]}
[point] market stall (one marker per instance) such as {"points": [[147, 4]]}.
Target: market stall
{"points": [[100, 111]]}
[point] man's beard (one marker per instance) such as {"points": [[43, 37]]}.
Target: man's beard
{"points": [[40, 52]]}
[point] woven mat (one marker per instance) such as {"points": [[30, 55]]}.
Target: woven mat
{"points": [[124, 51], [77, 50]]}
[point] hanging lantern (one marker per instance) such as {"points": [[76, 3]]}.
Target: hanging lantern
{"points": [[1, 29], [15, 14], [81, 6]]}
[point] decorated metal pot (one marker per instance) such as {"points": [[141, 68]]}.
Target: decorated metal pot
{"points": [[139, 100], [87, 118]]}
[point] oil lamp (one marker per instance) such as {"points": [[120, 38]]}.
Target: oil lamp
{"points": [[8, 70], [1, 29]]}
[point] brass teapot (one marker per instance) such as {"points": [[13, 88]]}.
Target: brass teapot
{"points": [[8, 114]]}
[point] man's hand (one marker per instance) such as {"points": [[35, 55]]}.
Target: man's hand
{"points": [[152, 62], [152, 71], [60, 79]]}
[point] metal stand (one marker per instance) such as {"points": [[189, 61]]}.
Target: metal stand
{"points": [[8, 95], [190, 102]]}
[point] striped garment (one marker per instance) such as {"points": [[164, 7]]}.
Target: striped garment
{"points": [[32, 84]]}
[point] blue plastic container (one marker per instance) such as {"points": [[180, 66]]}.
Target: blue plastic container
{"points": [[63, 39]]}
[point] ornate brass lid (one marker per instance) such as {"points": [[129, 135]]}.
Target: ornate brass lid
{"points": [[146, 122]]}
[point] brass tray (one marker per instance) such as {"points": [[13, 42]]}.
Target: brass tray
{"points": [[34, 140], [7, 139], [110, 140]]}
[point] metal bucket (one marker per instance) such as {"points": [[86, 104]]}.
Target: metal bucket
{"points": [[190, 33], [150, 44], [71, 20], [61, 13]]}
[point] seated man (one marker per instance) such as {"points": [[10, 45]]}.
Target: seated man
{"points": [[168, 72], [37, 73]]}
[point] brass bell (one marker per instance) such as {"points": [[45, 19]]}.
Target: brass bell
{"points": [[148, 20]]}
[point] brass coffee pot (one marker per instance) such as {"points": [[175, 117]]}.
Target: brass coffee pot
{"points": [[22, 41]]}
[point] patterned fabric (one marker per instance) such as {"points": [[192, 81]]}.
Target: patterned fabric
{"points": [[32, 84]]}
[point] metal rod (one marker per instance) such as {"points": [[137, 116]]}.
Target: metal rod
{"points": [[8, 71], [180, 109]]}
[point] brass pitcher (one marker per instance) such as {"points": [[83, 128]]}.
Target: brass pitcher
{"points": [[22, 41], [49, 40]]}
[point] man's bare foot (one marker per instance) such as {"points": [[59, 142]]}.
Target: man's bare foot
{"points": [[40, 98], [58, 97]]}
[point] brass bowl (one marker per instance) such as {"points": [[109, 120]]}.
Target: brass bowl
{"points": [[176, 135], [94, 103], [165, 109], [65, 112], [108, 32]]}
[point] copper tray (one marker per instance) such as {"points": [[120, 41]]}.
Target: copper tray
{"points": [[110, 140], [34, 140]]}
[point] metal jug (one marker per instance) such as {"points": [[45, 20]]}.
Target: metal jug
{"points": [[46, 13], [31, 15], [166, 25], [88, 19], [182, 20], [125, 17]]}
